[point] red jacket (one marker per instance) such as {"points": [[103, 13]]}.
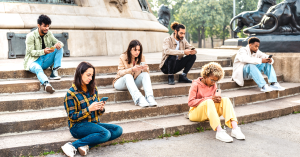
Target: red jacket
{"points": [[200, 92]]}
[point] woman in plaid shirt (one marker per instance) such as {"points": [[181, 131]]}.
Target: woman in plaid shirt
{"points": [[84, 109]]}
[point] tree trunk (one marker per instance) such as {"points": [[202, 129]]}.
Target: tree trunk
{"points": [[203, 36], [224, 34], [199, 38], [212, 42]]}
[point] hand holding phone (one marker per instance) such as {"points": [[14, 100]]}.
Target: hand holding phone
{"points": [[53, 47], [270, 56]]}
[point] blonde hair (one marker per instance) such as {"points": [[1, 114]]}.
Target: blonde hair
{"points": [[214, 69]]}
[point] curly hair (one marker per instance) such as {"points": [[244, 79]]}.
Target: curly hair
{"points": [[214, 69], [44, 19], [176, 26]]}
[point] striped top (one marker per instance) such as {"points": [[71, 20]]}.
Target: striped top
{"points": [[76, 105]]}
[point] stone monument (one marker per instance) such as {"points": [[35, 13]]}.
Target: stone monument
{"points": [[279, 33], [94, 27]]}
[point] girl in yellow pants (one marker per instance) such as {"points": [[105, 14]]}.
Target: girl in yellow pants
{"points": [[204, 105]]}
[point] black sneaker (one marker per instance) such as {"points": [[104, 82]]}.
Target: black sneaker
{"points": [[54, 75], [171, 80], [184, 79], [48, 88]]}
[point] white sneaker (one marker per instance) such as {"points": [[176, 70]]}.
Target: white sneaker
{"points": [[83, 150], [237, 133], [69, 149], [277, 87], [223, 136], [266, 88], [142, 102], [151, 101], [49, 88], [54, 75]]}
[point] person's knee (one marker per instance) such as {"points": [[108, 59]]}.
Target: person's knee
{"points": [[193, 57], [128, 76], [145, 74], [118, 132], [103, 137], [210, 102], [36, 68], [61, 50]]}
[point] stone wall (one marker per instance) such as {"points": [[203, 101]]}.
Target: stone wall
{"points": [[288, 65], [95, 27]]}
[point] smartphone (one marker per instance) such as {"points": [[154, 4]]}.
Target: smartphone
{"points": [[142, 63], [53, 48], [104, 99], [270, 56], [218, 92], [193, 48]]}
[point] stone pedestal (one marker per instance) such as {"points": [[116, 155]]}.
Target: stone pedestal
{"points": [[95, 27], [277, 43]]}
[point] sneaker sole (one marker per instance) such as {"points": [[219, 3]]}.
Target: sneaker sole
{"points": [[50, 90], [81, 152], [55, 78], [237, 138], [64, 152], [224, 140]]}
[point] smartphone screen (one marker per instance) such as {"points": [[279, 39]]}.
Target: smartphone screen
{"points": [[142, 64], [270, 56]]}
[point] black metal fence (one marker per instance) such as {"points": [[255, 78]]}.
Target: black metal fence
{"points": [[70, 2]]}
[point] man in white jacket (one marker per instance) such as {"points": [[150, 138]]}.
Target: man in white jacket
{"points": [[250, 62]]}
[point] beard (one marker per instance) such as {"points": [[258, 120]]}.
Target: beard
{"points": [[178, 37]]}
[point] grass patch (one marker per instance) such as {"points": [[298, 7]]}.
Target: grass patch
{"points": [[200, 129], [296, 112], [176, 133], [164, 135]]}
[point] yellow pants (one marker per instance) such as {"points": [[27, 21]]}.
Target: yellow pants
{"points": [[208, 110]]}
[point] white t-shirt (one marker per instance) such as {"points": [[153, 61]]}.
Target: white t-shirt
{"points": [[177, 48]]}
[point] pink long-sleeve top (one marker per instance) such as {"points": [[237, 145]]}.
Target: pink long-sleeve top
{"points": [[200, 92]]}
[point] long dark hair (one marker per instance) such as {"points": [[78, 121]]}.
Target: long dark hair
{"points": [[81, 68], [133, 44]]}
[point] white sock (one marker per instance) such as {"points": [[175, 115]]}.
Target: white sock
{"points": [[219, 128], [234, 124]]}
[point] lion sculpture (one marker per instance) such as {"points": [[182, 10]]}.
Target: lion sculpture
{"points": [[283, 18], [251, 18]]}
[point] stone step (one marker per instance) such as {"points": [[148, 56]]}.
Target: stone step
{"points": [[32, 85], [106, 68], [56, 118], [45, 141], [40, 100]]}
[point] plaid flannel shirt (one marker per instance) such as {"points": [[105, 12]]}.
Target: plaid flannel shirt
{"points": [[76, 105]]}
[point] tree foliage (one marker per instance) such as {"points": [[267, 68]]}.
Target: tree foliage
{"points": [[205, 18]]}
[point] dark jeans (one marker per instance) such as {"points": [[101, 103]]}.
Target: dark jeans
{"points": [[172, 66], [92, 134]]}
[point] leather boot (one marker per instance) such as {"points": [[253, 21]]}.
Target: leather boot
{"points": [[184, 79], [171, 80]]}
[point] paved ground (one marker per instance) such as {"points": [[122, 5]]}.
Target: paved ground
{"points": [[69, 62], [269, 138]]}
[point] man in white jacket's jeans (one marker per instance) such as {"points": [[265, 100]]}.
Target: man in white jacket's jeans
{"points": [[250, 62]]}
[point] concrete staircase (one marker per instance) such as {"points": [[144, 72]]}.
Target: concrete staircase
{"points": [[32, 121]]}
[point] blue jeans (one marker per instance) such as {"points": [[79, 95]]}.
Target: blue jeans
{"points": [[93, 134], [127, 82], [44, 62], [254, 71]]}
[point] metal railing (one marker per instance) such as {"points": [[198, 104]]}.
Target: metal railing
{"points": [[70, 2]]}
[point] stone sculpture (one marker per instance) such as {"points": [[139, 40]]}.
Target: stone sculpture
{"points": [[119, 4], [164, 15], [251, 18], [144, 5], [283, 18]]}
